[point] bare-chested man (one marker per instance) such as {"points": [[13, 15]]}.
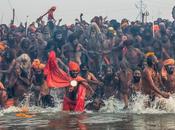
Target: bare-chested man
{"points": [[168, 75], [136, 82], [124, 77], [90, 77], [150, 79]]}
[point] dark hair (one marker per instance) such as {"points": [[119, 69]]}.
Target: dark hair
{"points": [[149, 61]]}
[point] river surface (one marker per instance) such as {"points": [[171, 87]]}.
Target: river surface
{"points": [[95, 121], [110, 117]]}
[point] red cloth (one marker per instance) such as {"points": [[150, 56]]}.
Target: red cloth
{"points": [[73, 66], [79, 104], [57, 78], [50, 13]]}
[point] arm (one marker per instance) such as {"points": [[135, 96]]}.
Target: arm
{"points": [[86, 85], [25, 80], [62, 63], [93, 80], [10, 68], [151, 83]]}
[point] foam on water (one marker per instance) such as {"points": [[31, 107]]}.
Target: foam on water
{"points": [[160, 105]]}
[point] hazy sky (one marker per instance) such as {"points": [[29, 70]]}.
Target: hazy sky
{"points": [[70, 9]]}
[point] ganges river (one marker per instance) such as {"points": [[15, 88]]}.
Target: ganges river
{"points": [[96, 121], [111, 117]]}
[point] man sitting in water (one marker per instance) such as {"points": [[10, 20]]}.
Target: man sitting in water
{"points": [[168, 75], [150, 79]]}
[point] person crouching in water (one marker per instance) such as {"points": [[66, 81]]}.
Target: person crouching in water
{"points": [[151, 80], [168, 75]]}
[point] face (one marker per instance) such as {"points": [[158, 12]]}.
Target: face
{"points": [[96, 104], [75, 42], [58, 36], [170, 69], [10, 37], [74, 74], [137, 76], [24, 61], [84, 70]]}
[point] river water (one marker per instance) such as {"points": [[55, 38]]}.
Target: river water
{"points": [[111, 117]]}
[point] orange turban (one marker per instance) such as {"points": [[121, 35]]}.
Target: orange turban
{"points": [[165, 63], [169, 62], [148, 54], [73, 66], [37, 64]]}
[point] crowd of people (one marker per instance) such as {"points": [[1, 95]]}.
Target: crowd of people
{"points": [[111, 58]]}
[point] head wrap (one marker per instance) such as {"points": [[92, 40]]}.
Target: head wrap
{"points": [[168, 62], [149, 54], [73, 66], [165, 63], [37, 64]]}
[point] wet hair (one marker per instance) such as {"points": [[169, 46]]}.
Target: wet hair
{"points": [[149, 61]]}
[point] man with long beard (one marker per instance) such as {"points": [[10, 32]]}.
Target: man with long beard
{"points": [[75, 86]]}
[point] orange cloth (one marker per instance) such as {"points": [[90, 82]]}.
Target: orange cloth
{"points": [[9, 103], [169, 62], [150, 54], [57, 78], [2, 46], [165, 63], [37, 64], [50, 13], [155, 28], [73, 66]]}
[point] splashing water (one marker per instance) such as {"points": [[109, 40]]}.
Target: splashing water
{"points": [[160, 105], [112, 105]]}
